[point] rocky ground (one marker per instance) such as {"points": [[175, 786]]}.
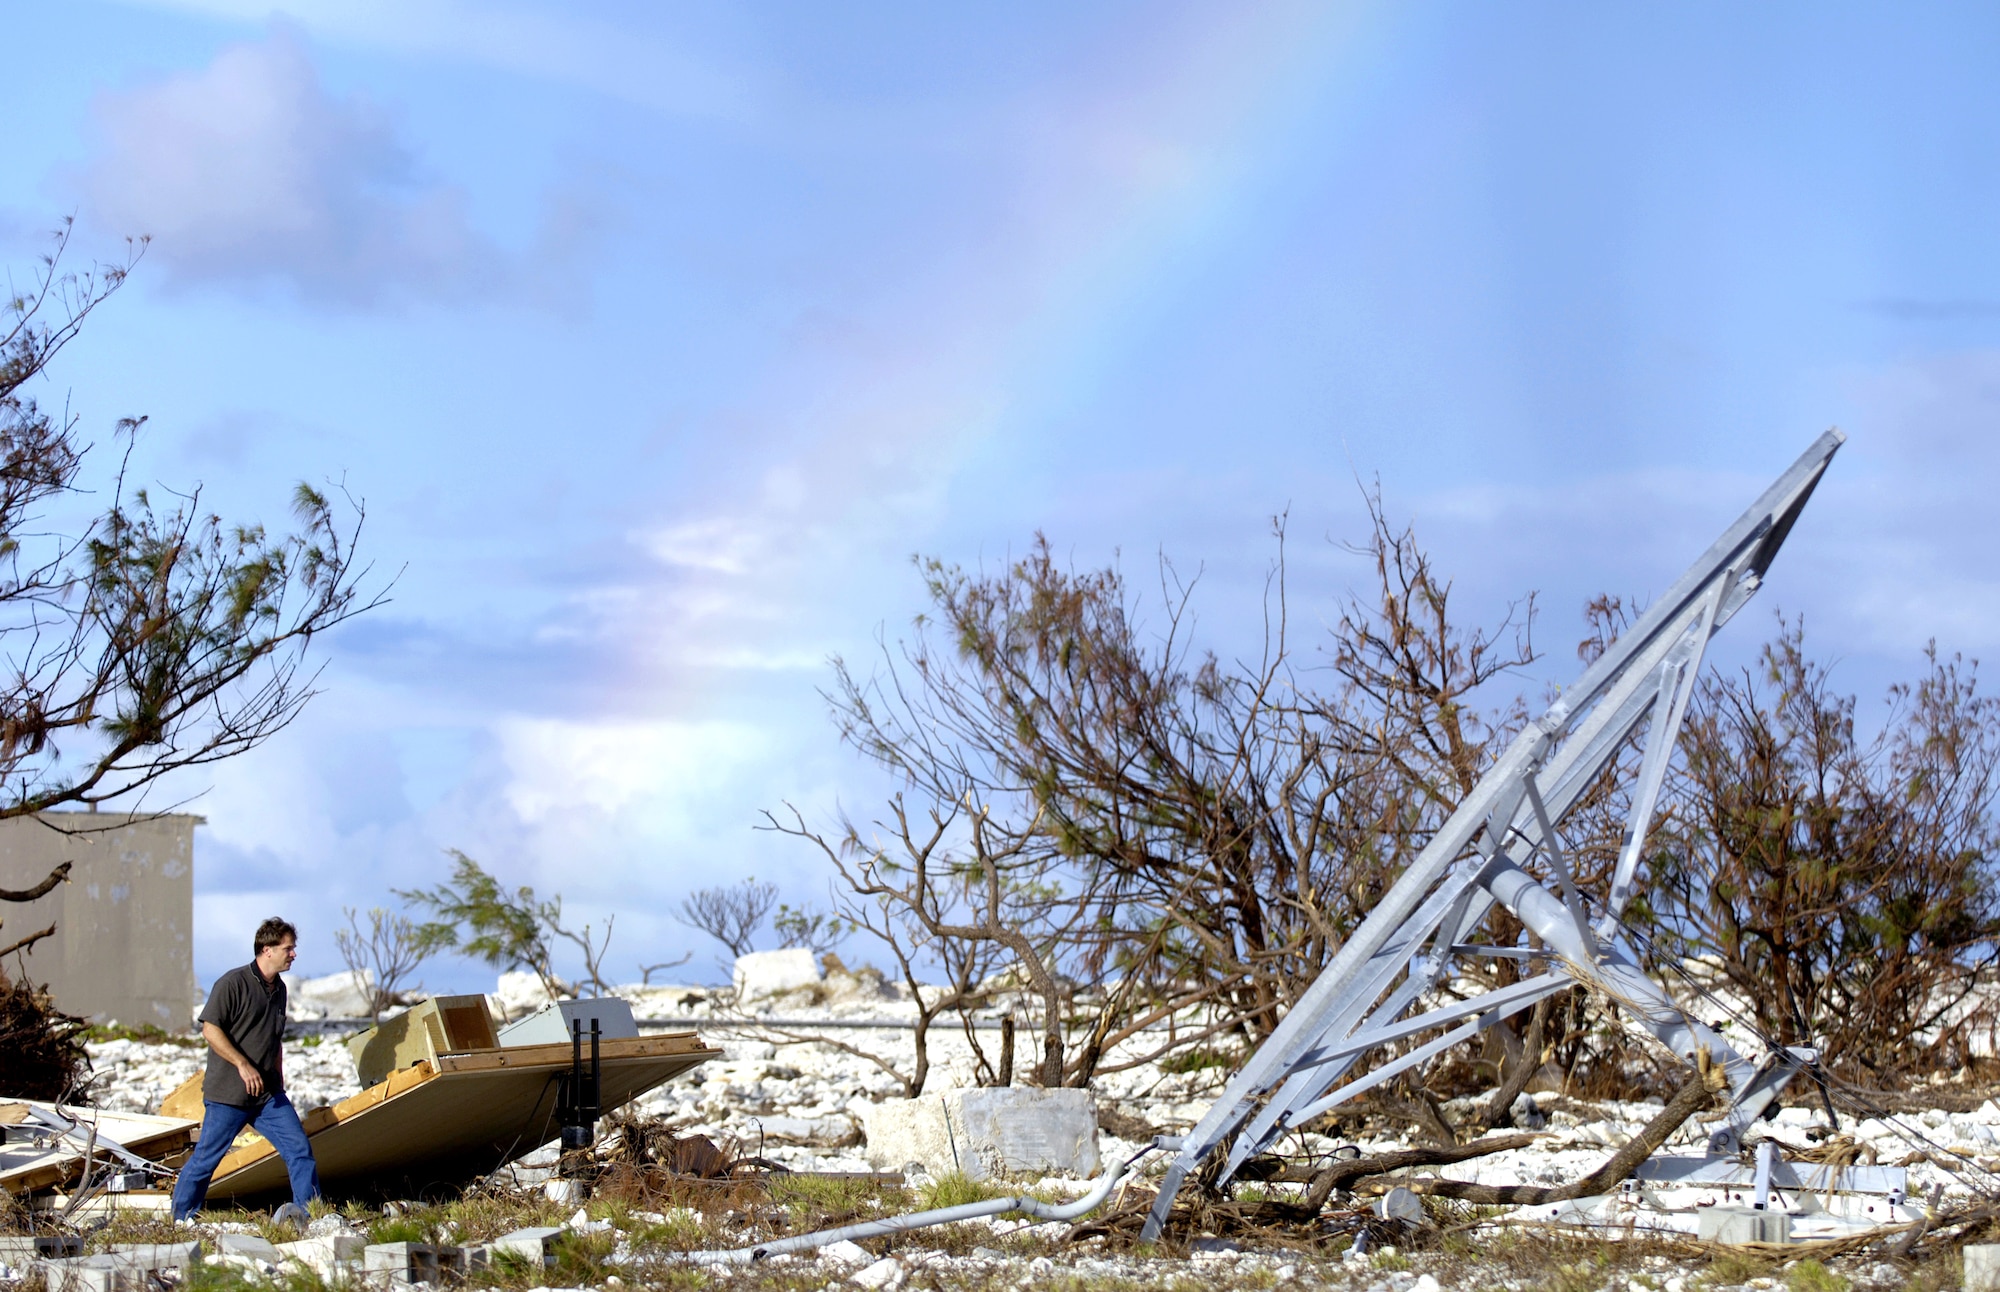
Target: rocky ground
{"points": [[795, 1095]]}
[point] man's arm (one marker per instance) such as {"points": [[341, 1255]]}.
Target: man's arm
{"points": [[218, 1040]]}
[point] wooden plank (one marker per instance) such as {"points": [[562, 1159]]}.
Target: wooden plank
{"points": [[476, 1112], [558, 1056]]}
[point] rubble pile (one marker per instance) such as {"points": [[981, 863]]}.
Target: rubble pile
{"points": [[794, 1086], [779, 1094]]}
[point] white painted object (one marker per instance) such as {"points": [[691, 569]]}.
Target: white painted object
{"points": [[1982, 1267], [773, 973], [1401, 1204], [1743, 1225], [551, 1024], [989, 1131]]}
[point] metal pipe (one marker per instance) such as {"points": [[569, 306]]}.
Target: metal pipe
{"points": [[1040, 1210]]}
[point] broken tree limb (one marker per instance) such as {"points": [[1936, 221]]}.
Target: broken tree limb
{"points": [[1499, 1110], [26, 942], [1698, 1093], [57, 876], [1341, 1174]]}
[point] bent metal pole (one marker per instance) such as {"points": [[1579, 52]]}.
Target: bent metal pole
{"points": [[1498, 847]]}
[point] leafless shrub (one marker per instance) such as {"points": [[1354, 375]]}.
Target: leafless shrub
{"points": [[383, 956], [1160, 848], [730, 914]]}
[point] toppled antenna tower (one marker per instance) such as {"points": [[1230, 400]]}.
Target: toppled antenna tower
{"points": [[1501, 846]]}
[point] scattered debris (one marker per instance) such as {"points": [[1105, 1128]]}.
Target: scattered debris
{"points": [[42, 1053]]}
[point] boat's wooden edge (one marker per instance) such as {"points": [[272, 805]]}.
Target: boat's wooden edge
{"points": [[670, 1045]]}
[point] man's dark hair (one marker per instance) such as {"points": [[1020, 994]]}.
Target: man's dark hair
{"points": [[273, 931]]}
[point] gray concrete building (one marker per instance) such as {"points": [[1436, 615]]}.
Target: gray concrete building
{"points": [[124, 942]]}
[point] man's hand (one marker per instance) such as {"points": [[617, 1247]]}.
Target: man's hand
{"points": [[218, 1040]]}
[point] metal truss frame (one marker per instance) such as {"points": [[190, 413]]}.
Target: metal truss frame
{"points": [[1418, 934]]}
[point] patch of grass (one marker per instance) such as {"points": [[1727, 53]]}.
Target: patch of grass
{"points": [[1389, 1259], [955, 1189], [580, 1260], [145, 1033], [805, 1195], [417, 1227], [683, 1230], [1809, 1275], [1586, 1274], [123, 1226], [1731, 1267], [213, 1276], [1945, 1271]]}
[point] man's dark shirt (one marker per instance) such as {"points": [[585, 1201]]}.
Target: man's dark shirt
{"points": [[252, 1015]]}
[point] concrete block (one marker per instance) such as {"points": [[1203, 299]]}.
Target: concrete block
{"points": [[1982, 1267], [401, 1262], [536, 1246], [249, 1245], [551, 1025], [325, 1254], [84, 1274], [1016, 1130], [152, 1258], [772, 973], [1743, 1225], [130, 1267], [23, 1250]]}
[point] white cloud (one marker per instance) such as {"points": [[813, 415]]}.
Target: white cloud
{"points": [[559, 767], [251, 172], [571, 46]]}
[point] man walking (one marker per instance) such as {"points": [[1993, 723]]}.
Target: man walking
{"points": [[244, 1025]]}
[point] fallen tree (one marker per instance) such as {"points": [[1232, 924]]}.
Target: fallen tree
{"points": [[1695, 1095]]}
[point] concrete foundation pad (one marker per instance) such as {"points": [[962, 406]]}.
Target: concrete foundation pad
{"points": [[1015, 1130]]}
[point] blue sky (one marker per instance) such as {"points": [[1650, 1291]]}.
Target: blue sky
{"points": [[659, 338]]}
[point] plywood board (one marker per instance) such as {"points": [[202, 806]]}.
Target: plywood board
{"points": [[24, 1167], [438, 1125]]}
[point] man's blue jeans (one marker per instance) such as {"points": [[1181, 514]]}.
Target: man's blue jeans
{"points": [[276, 1120]]}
